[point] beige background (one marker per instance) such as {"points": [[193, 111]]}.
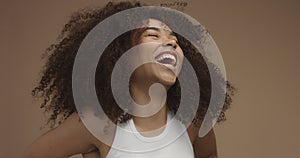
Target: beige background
{"points": [[259, 41]]}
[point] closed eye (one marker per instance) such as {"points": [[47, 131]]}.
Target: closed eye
{"points": [[153, 35]]}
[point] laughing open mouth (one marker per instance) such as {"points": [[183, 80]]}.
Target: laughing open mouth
{"points": [[168, 59]]}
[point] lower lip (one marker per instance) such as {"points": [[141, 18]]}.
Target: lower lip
{"points": [[167, 65]]}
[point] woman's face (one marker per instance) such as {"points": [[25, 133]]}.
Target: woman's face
{"points": [[159, 45]]}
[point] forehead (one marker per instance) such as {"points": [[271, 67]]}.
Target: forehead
{"points": [[156, 23]]}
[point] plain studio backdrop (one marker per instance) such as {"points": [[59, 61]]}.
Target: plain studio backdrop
{"points": [[259, 41]]}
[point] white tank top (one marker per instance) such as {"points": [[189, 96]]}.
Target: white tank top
{"points": [[173, 142]]}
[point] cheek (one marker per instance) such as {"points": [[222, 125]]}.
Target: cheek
{"points": [[145, 40], [180, 56], [180, 52]]}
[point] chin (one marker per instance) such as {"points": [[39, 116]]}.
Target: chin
{"points": [[156, 73], [168, 84], [167, 78]]}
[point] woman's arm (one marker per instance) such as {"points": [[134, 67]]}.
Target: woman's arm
{"points": [[206, 147], [69, 138]]}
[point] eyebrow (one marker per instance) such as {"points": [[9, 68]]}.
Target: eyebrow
{"points": [[159, 30]]}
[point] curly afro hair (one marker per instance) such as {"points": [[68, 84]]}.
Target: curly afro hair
{"points": [[55, 86]]}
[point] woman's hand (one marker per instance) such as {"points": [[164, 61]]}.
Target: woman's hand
{"points": [[92, 154]]}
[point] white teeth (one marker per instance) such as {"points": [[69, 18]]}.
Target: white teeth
{"points": [[167, 56], [169, 66]]}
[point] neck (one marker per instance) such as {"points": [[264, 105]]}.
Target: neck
{"points": [[152, 125], [155, 122]]}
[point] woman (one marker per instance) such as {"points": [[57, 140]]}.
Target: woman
{"points": [[167, 50]]}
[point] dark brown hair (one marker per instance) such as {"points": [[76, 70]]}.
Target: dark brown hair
{"points": [[55, 86]]}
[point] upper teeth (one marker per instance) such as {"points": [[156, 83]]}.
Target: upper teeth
{"points": [[167, 56]]}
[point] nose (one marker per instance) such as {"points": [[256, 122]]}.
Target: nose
{"points": [[170, 43]]}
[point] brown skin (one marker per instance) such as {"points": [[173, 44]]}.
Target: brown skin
{"points": [[148, 74], [71, 136], [55, 86]]}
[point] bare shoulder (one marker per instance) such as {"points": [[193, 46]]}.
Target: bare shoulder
{"points": [[69, 138], [103, 129], [205, 146], [193, 132]]}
